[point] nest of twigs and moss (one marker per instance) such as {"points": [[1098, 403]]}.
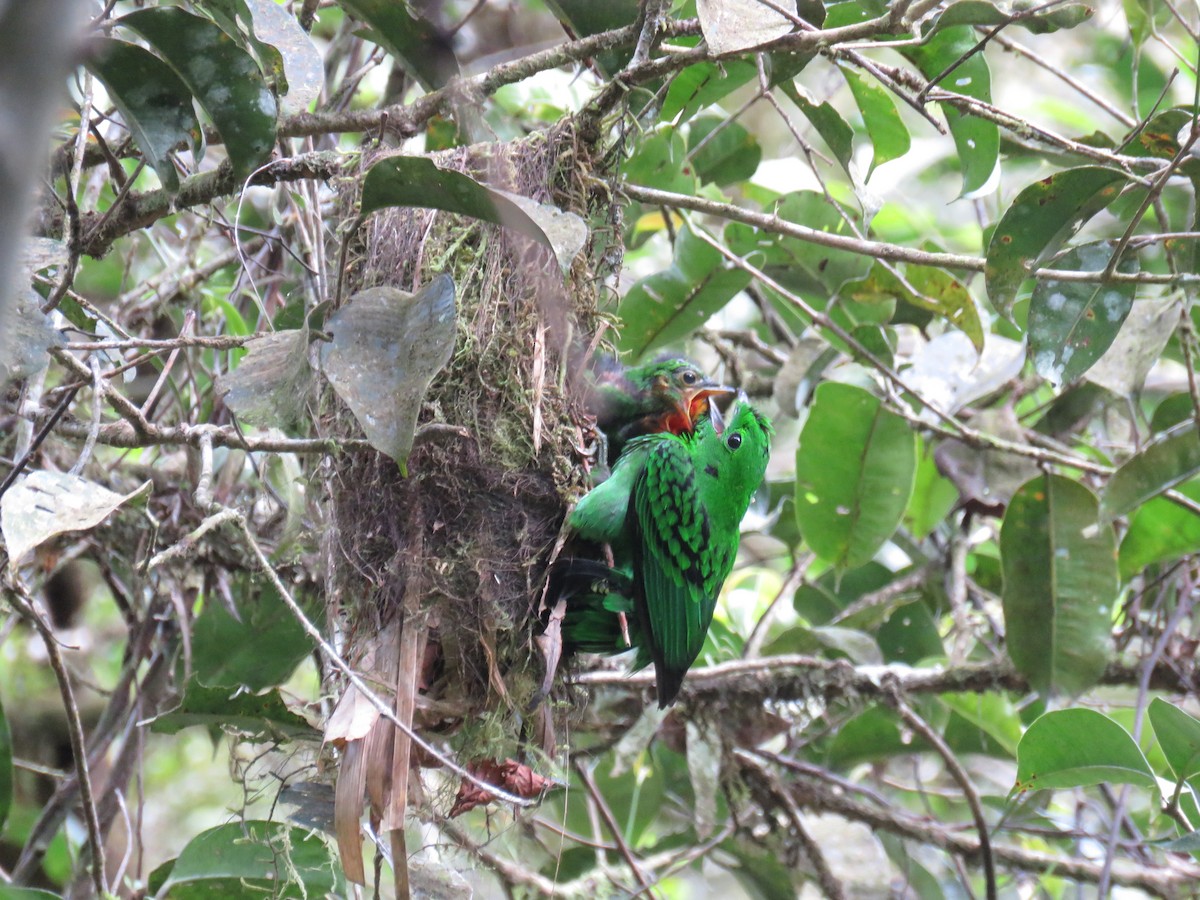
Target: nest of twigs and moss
{"points": [[460, 546]]}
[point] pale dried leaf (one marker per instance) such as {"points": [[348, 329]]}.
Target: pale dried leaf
{"points": [[40, 253], [270, 387], [45, 504], [948, 373], [25, 338], [348, 806], [731, 26], [1124, 366], [351, 719], [387, 347], [704, 769], [302, 63], [567, 231]]}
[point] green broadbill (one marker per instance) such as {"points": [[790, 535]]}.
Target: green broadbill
{"points": [[665, 395], [671, 511]]}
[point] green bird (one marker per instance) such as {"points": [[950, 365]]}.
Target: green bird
{"points": [[671, 511], [665, 395]]}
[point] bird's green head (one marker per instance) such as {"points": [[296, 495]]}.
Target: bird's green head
{"points": [[738, 445], [679, 388]]}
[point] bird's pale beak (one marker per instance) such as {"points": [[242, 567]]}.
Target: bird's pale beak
{"points": [[718, 420]]}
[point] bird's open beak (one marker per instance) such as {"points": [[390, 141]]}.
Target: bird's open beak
{"points": [[718, 420], [704, 399]]}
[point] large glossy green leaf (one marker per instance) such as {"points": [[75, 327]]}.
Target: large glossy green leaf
{"points": [[1072, 323], [412, 39], [854, 474], [416, 181], [1160, 531], [1059, 585], [1041, 218], [1179, 736], [259, 651], [254, 859], [888, 133], [1156, 468], [222, 76], [1069, 748], [976, 140], [723, 154], [670, 305], [153, 100]]}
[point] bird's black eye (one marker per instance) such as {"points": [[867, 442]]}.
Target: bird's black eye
{"points": [[689, 377], [733, 441]]}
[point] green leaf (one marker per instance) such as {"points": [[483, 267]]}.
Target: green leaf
{"points": [[260, 650], [838, 136], [1041, 218], [803, 266], [854, 474], [933, 497], [670, 305], [583, 18], [1160, 531], [259, 716], [1059, 586], [413, 40], [660, 161], [1069, 748], [386, 348], [6, 769], [153, 101], [1179, 736], [926, 288], [701, 85], [991, 713], [1157, 467], [254, 859], [910, 635], [1072, 323], [982, 12], [887, 131], [8, 892], [976, 140], [222, 76], [416, 181], [722, 156]]}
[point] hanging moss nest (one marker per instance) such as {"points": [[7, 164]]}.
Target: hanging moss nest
{"points": [[461, 545]]}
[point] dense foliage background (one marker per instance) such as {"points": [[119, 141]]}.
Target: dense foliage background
{"points": [[949, 245]]}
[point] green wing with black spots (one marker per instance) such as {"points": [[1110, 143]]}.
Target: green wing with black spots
{"points": [[678, 570]]}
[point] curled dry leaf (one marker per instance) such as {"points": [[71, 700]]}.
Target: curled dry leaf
{"points": [[510, 775]]}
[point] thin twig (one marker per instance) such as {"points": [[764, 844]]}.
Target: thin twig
{"points": [[23, 601], [333, 657], [895, 699]]}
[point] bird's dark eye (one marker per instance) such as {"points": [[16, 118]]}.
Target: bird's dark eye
{"points": [[689, 377], [733, 441]]}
